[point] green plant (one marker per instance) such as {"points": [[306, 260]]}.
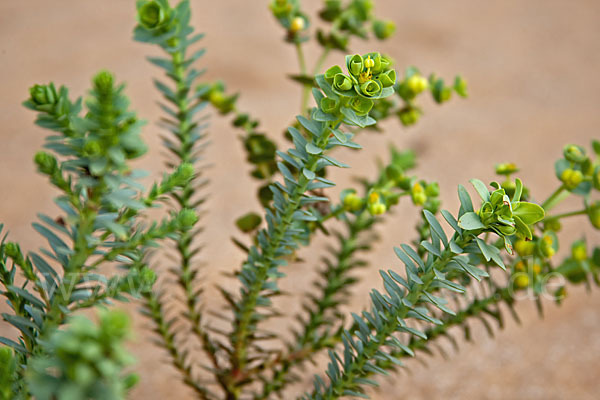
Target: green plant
{"points": [[503, 246]]}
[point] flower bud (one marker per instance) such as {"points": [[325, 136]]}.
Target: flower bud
{"points": [[370, 89], [45, 162], [369, 62], [152, 15], [520, 266], [553, 225], [417, 83], [394, 172], [43, 94], [12, 250], [432, 189], [571, 178], [506, 169], [298, 24], [187, 218], [524, 248], [352, 202], [460, 86], [574, 153], [579, 251], [377, 208], [409, 116], [418, 195], [92, 148], [383, 29], [546, 245], [522, 281], [183, 174], [103, 82]]}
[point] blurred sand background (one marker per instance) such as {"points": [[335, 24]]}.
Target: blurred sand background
{"points": [[532, 69]]}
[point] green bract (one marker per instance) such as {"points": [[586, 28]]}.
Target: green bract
{"points": [[153, 14], [501, 214]]}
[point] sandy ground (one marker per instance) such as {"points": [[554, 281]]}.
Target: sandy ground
{"points": [[532, 71]]}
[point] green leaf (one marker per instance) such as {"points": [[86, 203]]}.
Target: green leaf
{"points": [[310, 175], [522, 228], [470, 221], [436, 227], [249, 222], [312, 149], [518, 190], [303, 79], [465, 199], [481, 189], [530, 213]]}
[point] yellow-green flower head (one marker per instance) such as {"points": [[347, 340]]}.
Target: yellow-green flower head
{"points": [[506, 169], [377, 208], [298, 24], [353, 202], [521, 280], [547, 245], [579, 250], [571, 178], [153, 14], [417, 83], [524, 248], [418, 195]]}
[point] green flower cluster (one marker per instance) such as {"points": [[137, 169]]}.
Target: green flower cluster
{"points": [[290, 16], [392, 184], [84, 361], [578, 172], [414, 83], [154, 15], [501, 214], [349, 19], [104, 139], [369, 77]]}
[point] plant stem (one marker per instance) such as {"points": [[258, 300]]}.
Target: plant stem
{"points": [[565, 215], [321, 60], [555, 198], [259, 268], [303, 72]]}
